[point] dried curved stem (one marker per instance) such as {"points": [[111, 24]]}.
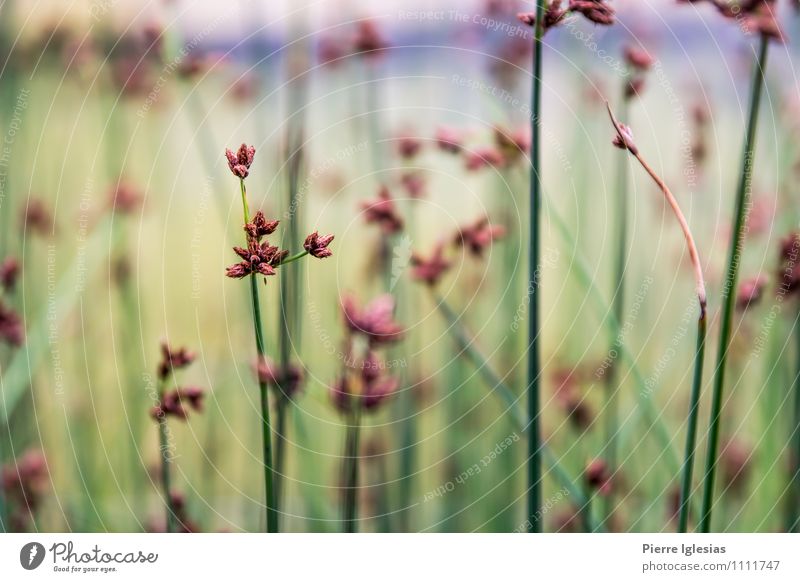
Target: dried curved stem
{"points": [[700, 285], [626, 141]]}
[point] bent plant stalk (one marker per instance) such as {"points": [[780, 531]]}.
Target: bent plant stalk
{"points": [[266, 427], [729, 287], [626, 140], [533, 368]]}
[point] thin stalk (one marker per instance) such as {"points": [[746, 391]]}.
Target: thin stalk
{"points": [[534, 372], [794, 494], [293, 258], [266, 428], [691, 434], [700, 289], [618, 307], [352, 445], [729, 288], [166, 478]]}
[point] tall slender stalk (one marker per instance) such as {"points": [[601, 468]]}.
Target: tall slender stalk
{"points": [[266, 427], [691, 432], [166, 478], [729, 288], [625, 141], [352, 445], [534, 372], [794, 491], [618, 307]]}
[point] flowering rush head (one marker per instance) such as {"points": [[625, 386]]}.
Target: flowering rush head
{"points": [[179, 402], [260, 226], [429, 270], [288, 379], [514, 143], [408, 145], [375, 386], [240, 162], [553, 15], [448, 139], [624, 139], [258, 258], [637, 58], [375, 321], [11, 329], [597, 477], [317, 246], [383, 212], [750, 291], [172, 360], [756, 16], [478, 236], [9, 271], [597, 11]]}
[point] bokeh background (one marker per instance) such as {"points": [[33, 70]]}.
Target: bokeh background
{"points": [[136, 101]]}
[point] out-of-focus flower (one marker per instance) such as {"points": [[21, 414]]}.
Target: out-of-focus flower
{"points": [[512, 144], [408, 145], [597, 477], [375, 321], [368, 40], [258, 258], [484, 157], [596, 11], [383, 212], [331, 51], [448, 139], [178, 402], [478, 236], [11, 329], [9, 271], [259, 226], [24, 482], [172, 360], [637, 58], [317, 246], [735, 465], [413, 183], [125, 197], [375, 386], [571, 400], [553, 16], [750, 291], [287, 379], [240, 162], [37, 217], [789, 263], [757, 16], [430, 270]]}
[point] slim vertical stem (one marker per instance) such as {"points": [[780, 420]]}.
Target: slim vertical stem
{"points": [[352, 445], [534, 437], [618, 307], [794, 491], [729, 287], [691, 433], [266, 427], [166, 478]]}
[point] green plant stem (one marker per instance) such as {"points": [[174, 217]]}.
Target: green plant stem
{"points": [[691, 432], [729, 287], [794, 492], [534, 372], [266, 427], [618, 307], [352, 445], [166, 478], [294, 258]]}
